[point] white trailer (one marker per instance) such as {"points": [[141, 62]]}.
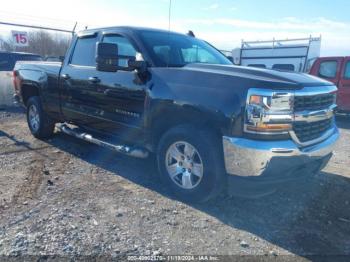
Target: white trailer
{"points": [[291, 54]]}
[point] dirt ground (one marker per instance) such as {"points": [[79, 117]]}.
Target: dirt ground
{"points": [[66, 198]]}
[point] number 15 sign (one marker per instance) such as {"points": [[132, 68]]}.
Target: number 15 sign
{"points": [[20, 38]]}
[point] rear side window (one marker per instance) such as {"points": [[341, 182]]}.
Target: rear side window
{"points": [[328, 69], [84, 52], [286, 67], [347, 70], [6, 62]]}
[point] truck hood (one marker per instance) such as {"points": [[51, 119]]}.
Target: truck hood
{"points": [[264, 75]]}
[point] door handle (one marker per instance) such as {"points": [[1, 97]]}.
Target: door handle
{"points": [[65, 76], [94, 80], [103, 90], [107, 91]]}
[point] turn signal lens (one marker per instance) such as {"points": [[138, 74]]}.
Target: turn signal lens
{"points": [[255, 100], [270, 128]]}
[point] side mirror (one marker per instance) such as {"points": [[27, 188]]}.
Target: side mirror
{"points": [[140, 66], [107, 57]]}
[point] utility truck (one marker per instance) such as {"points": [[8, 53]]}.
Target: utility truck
{"points": [[291, 54]]}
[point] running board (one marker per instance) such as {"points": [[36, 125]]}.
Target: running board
{"points": [[126, 150]]}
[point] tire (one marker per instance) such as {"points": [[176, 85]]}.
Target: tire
{"points": [[207, 179], [40, 125]]}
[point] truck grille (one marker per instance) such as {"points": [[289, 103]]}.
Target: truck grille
{"points": [[316, 102], [310, 131]]}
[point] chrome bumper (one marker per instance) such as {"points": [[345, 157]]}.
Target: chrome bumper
{"points": [[253, 158]]}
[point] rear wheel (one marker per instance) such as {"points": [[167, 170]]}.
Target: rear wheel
{"points": [[190, 163], [40, 125]]}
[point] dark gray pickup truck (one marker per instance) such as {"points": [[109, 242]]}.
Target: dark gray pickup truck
{"points": [[210, 124]]}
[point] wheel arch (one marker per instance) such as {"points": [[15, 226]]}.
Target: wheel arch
{"points": [[168, 117], [29, 90]]}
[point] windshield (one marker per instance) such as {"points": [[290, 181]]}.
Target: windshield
{"points": [[176, 50]]}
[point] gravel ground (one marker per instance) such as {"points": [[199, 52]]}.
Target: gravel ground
{"points": [[65, 198]]}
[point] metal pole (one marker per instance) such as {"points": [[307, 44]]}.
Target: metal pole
{"points": [[75, 26], [169, 14]]}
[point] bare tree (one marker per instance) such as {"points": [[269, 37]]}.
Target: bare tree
{"points": [[5, 45], [42, 43]]}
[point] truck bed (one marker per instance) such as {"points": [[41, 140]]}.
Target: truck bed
{"points": [[45, 75], [48, 67]]}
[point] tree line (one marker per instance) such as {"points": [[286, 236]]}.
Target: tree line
{"points": [[40, 42]]}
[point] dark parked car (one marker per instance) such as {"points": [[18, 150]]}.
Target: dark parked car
{"points": [[7, 63], [209, 123], [9, 59]]}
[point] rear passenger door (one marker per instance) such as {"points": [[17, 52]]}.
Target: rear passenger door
{"points": [[78, 90], [344, 87]]}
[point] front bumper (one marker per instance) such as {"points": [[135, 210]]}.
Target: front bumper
{"points": [[253, 158]]}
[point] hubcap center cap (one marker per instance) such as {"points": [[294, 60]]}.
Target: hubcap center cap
{"points": [[184, 165], [187, 163]]}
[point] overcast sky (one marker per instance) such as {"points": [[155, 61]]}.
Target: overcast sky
{"points": [[224, 23]]}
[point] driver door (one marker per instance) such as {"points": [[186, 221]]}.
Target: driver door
{"points": [[121, 97]]}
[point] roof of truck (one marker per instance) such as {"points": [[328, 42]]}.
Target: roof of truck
{"points": [[127, 28]]}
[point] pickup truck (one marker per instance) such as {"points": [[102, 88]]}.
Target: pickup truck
{"points": [[210, 124], [337, 71]]}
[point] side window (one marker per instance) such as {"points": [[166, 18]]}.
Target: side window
{"points": [[328, 69], [286, 67], [309, 64], [125, 49], [347, 70], [196, 54], [84, 52]]}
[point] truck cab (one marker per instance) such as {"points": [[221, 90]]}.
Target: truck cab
{"points": [[337, 71]]}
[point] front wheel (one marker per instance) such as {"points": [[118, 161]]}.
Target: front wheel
{"points": [[40, 125], [190, 163]]}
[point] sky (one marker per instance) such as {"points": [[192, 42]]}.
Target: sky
{"points": [[224, 23]]}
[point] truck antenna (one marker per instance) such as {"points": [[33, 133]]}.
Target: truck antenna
{"points": [[191, 34], [169, 15]]}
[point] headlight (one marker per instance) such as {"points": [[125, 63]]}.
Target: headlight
{"points": [[269, 112]]}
